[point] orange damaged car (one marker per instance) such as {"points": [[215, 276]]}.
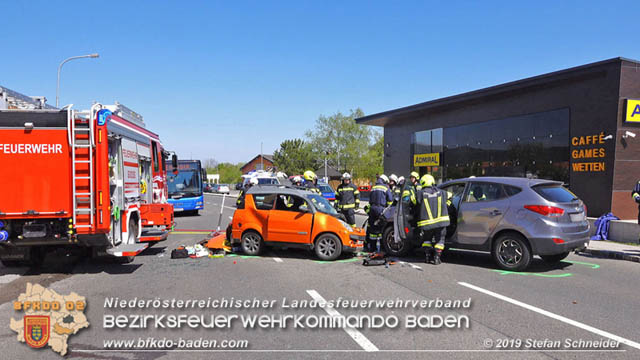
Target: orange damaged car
{"points": [[292, 218]]}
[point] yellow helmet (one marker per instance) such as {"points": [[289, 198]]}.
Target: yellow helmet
{"points": [[427, 180], [309, 175], [415, 175]]}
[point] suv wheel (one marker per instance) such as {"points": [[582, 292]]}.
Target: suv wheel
{"points": [[511, 252], [251, 243], [552, 259], [390, 246], [328, 247]]}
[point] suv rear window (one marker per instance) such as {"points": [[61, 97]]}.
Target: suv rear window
{"points": [[555, 193], [267, 181], [264, 201], [511, 190]]}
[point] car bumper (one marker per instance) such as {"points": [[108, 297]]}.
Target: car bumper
{"points": [[356, 244], [547, 245]]}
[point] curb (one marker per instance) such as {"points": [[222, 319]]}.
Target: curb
{"points": [[611, 254]]}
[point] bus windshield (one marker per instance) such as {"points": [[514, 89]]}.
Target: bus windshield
{"points": [[187, 183]]}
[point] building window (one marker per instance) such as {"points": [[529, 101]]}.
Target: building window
{"points": [[535, 145], [427, 142]]}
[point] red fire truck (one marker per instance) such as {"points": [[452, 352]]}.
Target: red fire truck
{"points": [[91, 180]]}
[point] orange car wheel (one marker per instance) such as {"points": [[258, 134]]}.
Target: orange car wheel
{"points": [[328, 247], [251, 243]]}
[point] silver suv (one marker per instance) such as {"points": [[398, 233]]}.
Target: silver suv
{"points": [[513, 218]]}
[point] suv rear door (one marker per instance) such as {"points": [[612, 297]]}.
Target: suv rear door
{"points": [[287, 222], [574, 218], [482, 207]]}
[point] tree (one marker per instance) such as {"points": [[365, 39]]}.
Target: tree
{"points": [[209, 164], [294, 157], [372, 163], [350, 146], [229, 173]]}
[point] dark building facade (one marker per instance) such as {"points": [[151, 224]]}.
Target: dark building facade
{"points": [[571, 125]]}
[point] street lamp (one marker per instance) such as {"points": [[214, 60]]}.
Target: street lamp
{"points": [[92, 56]]}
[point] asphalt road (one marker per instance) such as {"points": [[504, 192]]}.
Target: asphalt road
{"points": [[580, 299]]}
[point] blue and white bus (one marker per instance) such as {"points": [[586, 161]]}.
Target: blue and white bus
{"points": [[186, 187]]}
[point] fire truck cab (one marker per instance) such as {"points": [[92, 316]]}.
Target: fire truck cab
{"points": [[83, 180]]}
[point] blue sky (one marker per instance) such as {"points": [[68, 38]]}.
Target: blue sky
{"points": [[215, 79]]}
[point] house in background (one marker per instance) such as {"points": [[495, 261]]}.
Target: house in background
{"points": [[260, 162]]}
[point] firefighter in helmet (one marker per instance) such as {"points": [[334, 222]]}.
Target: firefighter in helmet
{"points": [[393, 186], [348, 199], [432, 217], [240, 202], [297, 180], [635, 194], [311, 181], [379, 199]]}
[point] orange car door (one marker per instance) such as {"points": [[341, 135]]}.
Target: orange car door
{"points": [[289, 222]]}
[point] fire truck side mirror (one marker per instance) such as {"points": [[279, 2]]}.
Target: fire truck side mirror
{"points": [[174, 163]]}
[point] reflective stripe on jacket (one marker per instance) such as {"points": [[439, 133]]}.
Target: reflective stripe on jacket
{"points": [[347, 196], [380, 195], [433, 212], [311, 187], [635, 194]]}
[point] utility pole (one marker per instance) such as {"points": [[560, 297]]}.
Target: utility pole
{"points": [[261, 157], [326, 153], [90, 56]]}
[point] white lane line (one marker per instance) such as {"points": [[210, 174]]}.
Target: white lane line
{"points": [[554, 316], [412, 265], [277, 259], [355, 334], [5, 279]]}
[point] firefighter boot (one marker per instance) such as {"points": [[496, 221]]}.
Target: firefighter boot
{"points": [[428, 255], [436, 257]]}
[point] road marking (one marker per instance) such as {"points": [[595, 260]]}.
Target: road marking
{"points": [[356, 335], [5, 279], [228, 195], [412, 265], [593, 266], [189, 232], [506, 272], [277, 259], [554, 316]]}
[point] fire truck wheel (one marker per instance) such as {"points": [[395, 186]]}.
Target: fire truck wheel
{"points": [[37, 257]]}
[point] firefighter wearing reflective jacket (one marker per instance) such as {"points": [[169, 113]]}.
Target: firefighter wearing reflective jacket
{"points": [[394, 187], [433, 218], [311, 181], [243, 192], [636, 196], [348, 199], [409, 195], [379, 199]]}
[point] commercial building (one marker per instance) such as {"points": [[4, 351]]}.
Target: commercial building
{"points": [[577, 125]]}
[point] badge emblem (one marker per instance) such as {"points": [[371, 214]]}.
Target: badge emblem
{"points": [[36, 330]]}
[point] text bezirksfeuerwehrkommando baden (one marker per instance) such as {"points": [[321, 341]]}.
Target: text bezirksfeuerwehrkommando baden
{"points": [[284, 303]]}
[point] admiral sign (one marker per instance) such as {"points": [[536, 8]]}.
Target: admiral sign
{"points": [[429, 159], [632, 114]]}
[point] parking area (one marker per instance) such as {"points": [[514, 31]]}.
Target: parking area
{"points": [[581, 298]]}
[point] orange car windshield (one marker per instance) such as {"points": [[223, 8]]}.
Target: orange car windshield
{"points": [[322, 204]]}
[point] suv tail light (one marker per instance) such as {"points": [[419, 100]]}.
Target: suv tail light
{"points": [[545, 210], [585, 209]]}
